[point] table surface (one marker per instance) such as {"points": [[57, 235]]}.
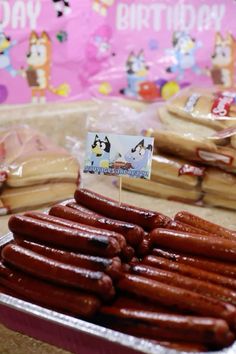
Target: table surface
{"points": [[15, 343]]}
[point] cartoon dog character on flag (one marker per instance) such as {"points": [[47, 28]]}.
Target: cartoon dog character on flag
{"points": [[139, 156], [100, 156]]}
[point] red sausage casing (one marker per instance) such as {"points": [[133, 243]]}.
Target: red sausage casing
{"points": [[146, 218], [81, 208], [76, 225], [57, 272], [111, 266], [49, 295], [66, 237], [134, 234], [173, 327], [180, 226], [168, 295], [198, 286], [213, 247], [190, 271], [219, 267], [200, 223]]}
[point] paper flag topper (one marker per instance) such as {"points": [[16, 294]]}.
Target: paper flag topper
{"points": [[119, 155]]}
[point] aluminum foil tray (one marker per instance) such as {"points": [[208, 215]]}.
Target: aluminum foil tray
{"points": [[70, 333]]}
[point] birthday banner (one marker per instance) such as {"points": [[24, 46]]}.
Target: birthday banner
{"points": [[64, 50]]}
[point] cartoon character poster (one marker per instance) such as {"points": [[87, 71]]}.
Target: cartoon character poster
{"points": [[65, 50], [38, 70], [223, 60], [120, 155]]}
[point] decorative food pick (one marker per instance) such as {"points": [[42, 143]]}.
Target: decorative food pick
{"points": [[119, 155]]}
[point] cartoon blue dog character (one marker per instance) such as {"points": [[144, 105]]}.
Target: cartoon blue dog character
{"points": [[100, 156], [139, 156], [184, 52], [136, 72], [5, 60]]}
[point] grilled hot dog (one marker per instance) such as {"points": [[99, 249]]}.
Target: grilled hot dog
{"points": [[190, 271], [173, 327], [58, 272], [213, 247], [198, 286], [223, 268], [168, 295], [146, 218], [111, 266], [180, 226], [134, 234], [76, 225], [200, 223], [49, 295], [66, 237]]}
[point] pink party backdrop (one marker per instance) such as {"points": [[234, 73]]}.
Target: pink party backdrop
{"points": [[138, 49]]}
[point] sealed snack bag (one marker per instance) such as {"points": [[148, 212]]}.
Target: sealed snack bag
{"points": [[63, 50], [35, 171]]}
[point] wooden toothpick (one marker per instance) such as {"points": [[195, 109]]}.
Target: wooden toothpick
{"points": [[120, 189]]}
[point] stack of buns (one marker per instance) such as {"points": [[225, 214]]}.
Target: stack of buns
{"points": [[195, 150], [34, 171]]}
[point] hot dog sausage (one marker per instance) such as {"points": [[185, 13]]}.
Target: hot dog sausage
{"points": [[227, 269], [58, 272], [49, 295], [125, 267], [203, 224], [123, 225], [213, 247], [134, 234], [127, 253], [76, 225], [174, 327], [146, 218], [144, 247], [76, 240], [183, 299], [142, 331], [180, 226], [137, 303], [198, 286], [190, 271], [134, 261], [111, 266], [81, 208]]}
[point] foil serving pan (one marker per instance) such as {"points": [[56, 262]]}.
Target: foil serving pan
{"points": [[73, 334]]}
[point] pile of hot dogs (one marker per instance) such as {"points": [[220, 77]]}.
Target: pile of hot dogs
{"points": [[172, 281]]}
